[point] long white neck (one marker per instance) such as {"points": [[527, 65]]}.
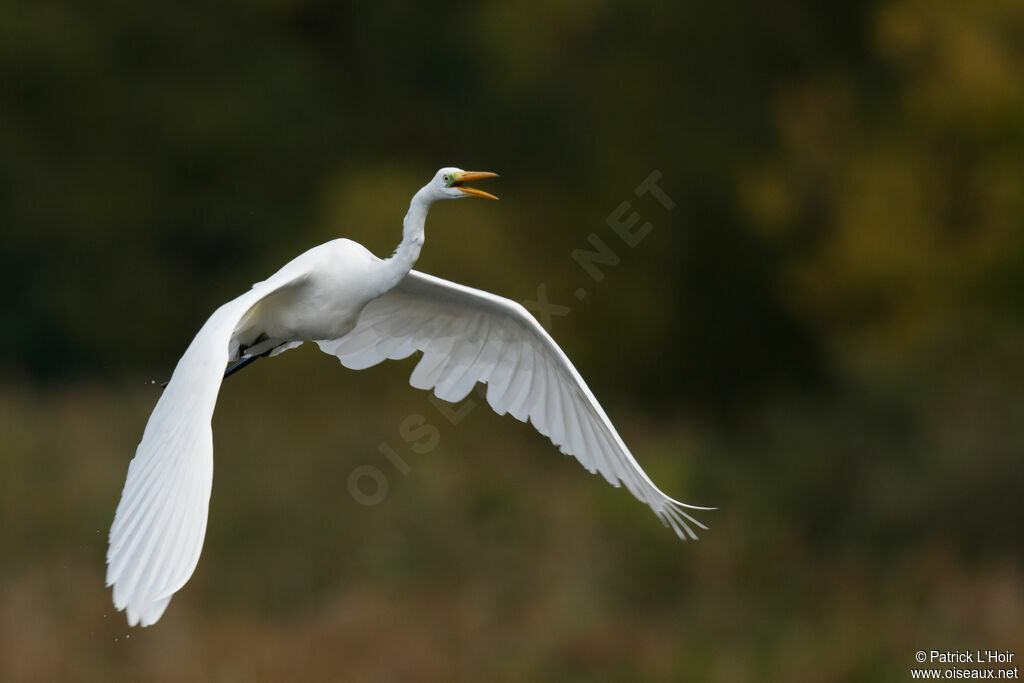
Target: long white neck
{"points": [[402, 261]]}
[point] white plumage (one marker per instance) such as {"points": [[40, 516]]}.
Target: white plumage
{"points": [[363, 310]]}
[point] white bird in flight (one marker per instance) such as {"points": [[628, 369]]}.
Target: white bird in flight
{"points": [[362, 309]]}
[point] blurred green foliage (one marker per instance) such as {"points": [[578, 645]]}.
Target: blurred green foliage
{"points": [[825, 336]]}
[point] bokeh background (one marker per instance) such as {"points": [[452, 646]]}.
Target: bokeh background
{"points": [[824, 338]]}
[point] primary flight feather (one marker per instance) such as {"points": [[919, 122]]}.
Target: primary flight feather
{"points": [[363, 310]]}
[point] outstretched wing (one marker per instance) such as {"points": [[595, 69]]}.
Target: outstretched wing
{"points": [[160, 522], [469, 336]]}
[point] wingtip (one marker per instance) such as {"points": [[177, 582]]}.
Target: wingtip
{"points": [[674, 516], [144, 614]]}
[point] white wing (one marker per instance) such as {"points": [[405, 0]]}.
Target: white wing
{"points": [[160, 523], [469, 336]]}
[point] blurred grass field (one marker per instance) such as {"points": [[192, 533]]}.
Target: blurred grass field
{"points": [[835, 554]]}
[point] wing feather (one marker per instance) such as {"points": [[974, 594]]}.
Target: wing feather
{"points": [[517, 407], [469, 336], [520, 399], [160, 523]]}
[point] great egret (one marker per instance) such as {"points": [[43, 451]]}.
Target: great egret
{"points": [[361, 309]]}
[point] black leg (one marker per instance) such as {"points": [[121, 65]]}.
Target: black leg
{"points": [[242, 363], [246, 361], [237, 366]]}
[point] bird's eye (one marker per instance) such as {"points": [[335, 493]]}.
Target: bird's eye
{"points": [[447, 179]]}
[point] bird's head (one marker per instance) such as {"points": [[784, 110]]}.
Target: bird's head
{"points": [[450, 183]]}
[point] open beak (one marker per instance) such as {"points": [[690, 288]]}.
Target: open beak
{"points": [[466, 176]]}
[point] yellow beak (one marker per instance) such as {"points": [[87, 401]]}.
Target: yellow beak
{"points": [[466, 176]]}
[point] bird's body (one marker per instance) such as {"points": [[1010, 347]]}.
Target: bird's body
{"points": [[326, 289], [363, 310]]}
